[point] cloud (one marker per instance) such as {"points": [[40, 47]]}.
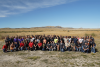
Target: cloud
{"points": [[10, 7]]}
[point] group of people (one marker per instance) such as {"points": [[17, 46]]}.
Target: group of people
{"points": [[50, 43]]}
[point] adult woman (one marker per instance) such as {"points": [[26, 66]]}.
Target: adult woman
{"points": [[40, 45]]}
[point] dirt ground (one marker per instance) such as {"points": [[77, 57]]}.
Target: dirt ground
{"points": [[49, 58]]}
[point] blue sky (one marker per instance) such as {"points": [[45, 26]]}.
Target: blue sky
{"points": [[38, 13]]}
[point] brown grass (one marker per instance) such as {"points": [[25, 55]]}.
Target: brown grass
{"points": [[50, 31]]}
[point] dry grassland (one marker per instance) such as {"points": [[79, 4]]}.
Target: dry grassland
{"points": [[46, 58]]}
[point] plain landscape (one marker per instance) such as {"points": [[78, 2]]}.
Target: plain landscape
{"points": [[49, 58]]}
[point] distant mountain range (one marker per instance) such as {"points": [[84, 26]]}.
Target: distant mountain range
{"points": [[50, 27]]}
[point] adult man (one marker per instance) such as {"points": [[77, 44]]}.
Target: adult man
{"points": [[48, 46], [75, 40], [67, 45], [93, 48], [73, 46], [80, 40], [83, 43], [53, 46], [16, 46], [4, 48], [32, 39], [8, 41], [65, 41], [78, 46], [86, 48], [92, 45], [16, 41], [62, 46], [91, 38]]}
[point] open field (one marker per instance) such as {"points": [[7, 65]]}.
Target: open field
{"points": [[50, 31], [46, 58]]}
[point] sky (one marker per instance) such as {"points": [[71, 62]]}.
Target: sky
{"points": [[40, 13]]}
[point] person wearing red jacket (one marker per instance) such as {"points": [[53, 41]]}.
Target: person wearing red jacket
{"points": [[40, 45], [4, 48], [21, 45], [31, 45]]}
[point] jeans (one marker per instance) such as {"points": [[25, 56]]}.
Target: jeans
{"points": [[81, 48], [4, 50], [43, 49], [68, 48], [62, 49], [86, 51], [53, 48], [78, 49], [26, 48], [21, 48], [12, 50], [93, 49], [48, 49]]}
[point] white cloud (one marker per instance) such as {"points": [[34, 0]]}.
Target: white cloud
{"points": [[10, 7]]}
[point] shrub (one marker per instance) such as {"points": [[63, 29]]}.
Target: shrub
{"points": [[93, 34], [86, 34]]}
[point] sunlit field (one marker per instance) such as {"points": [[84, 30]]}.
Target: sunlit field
{"points": [[50, 58]]}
